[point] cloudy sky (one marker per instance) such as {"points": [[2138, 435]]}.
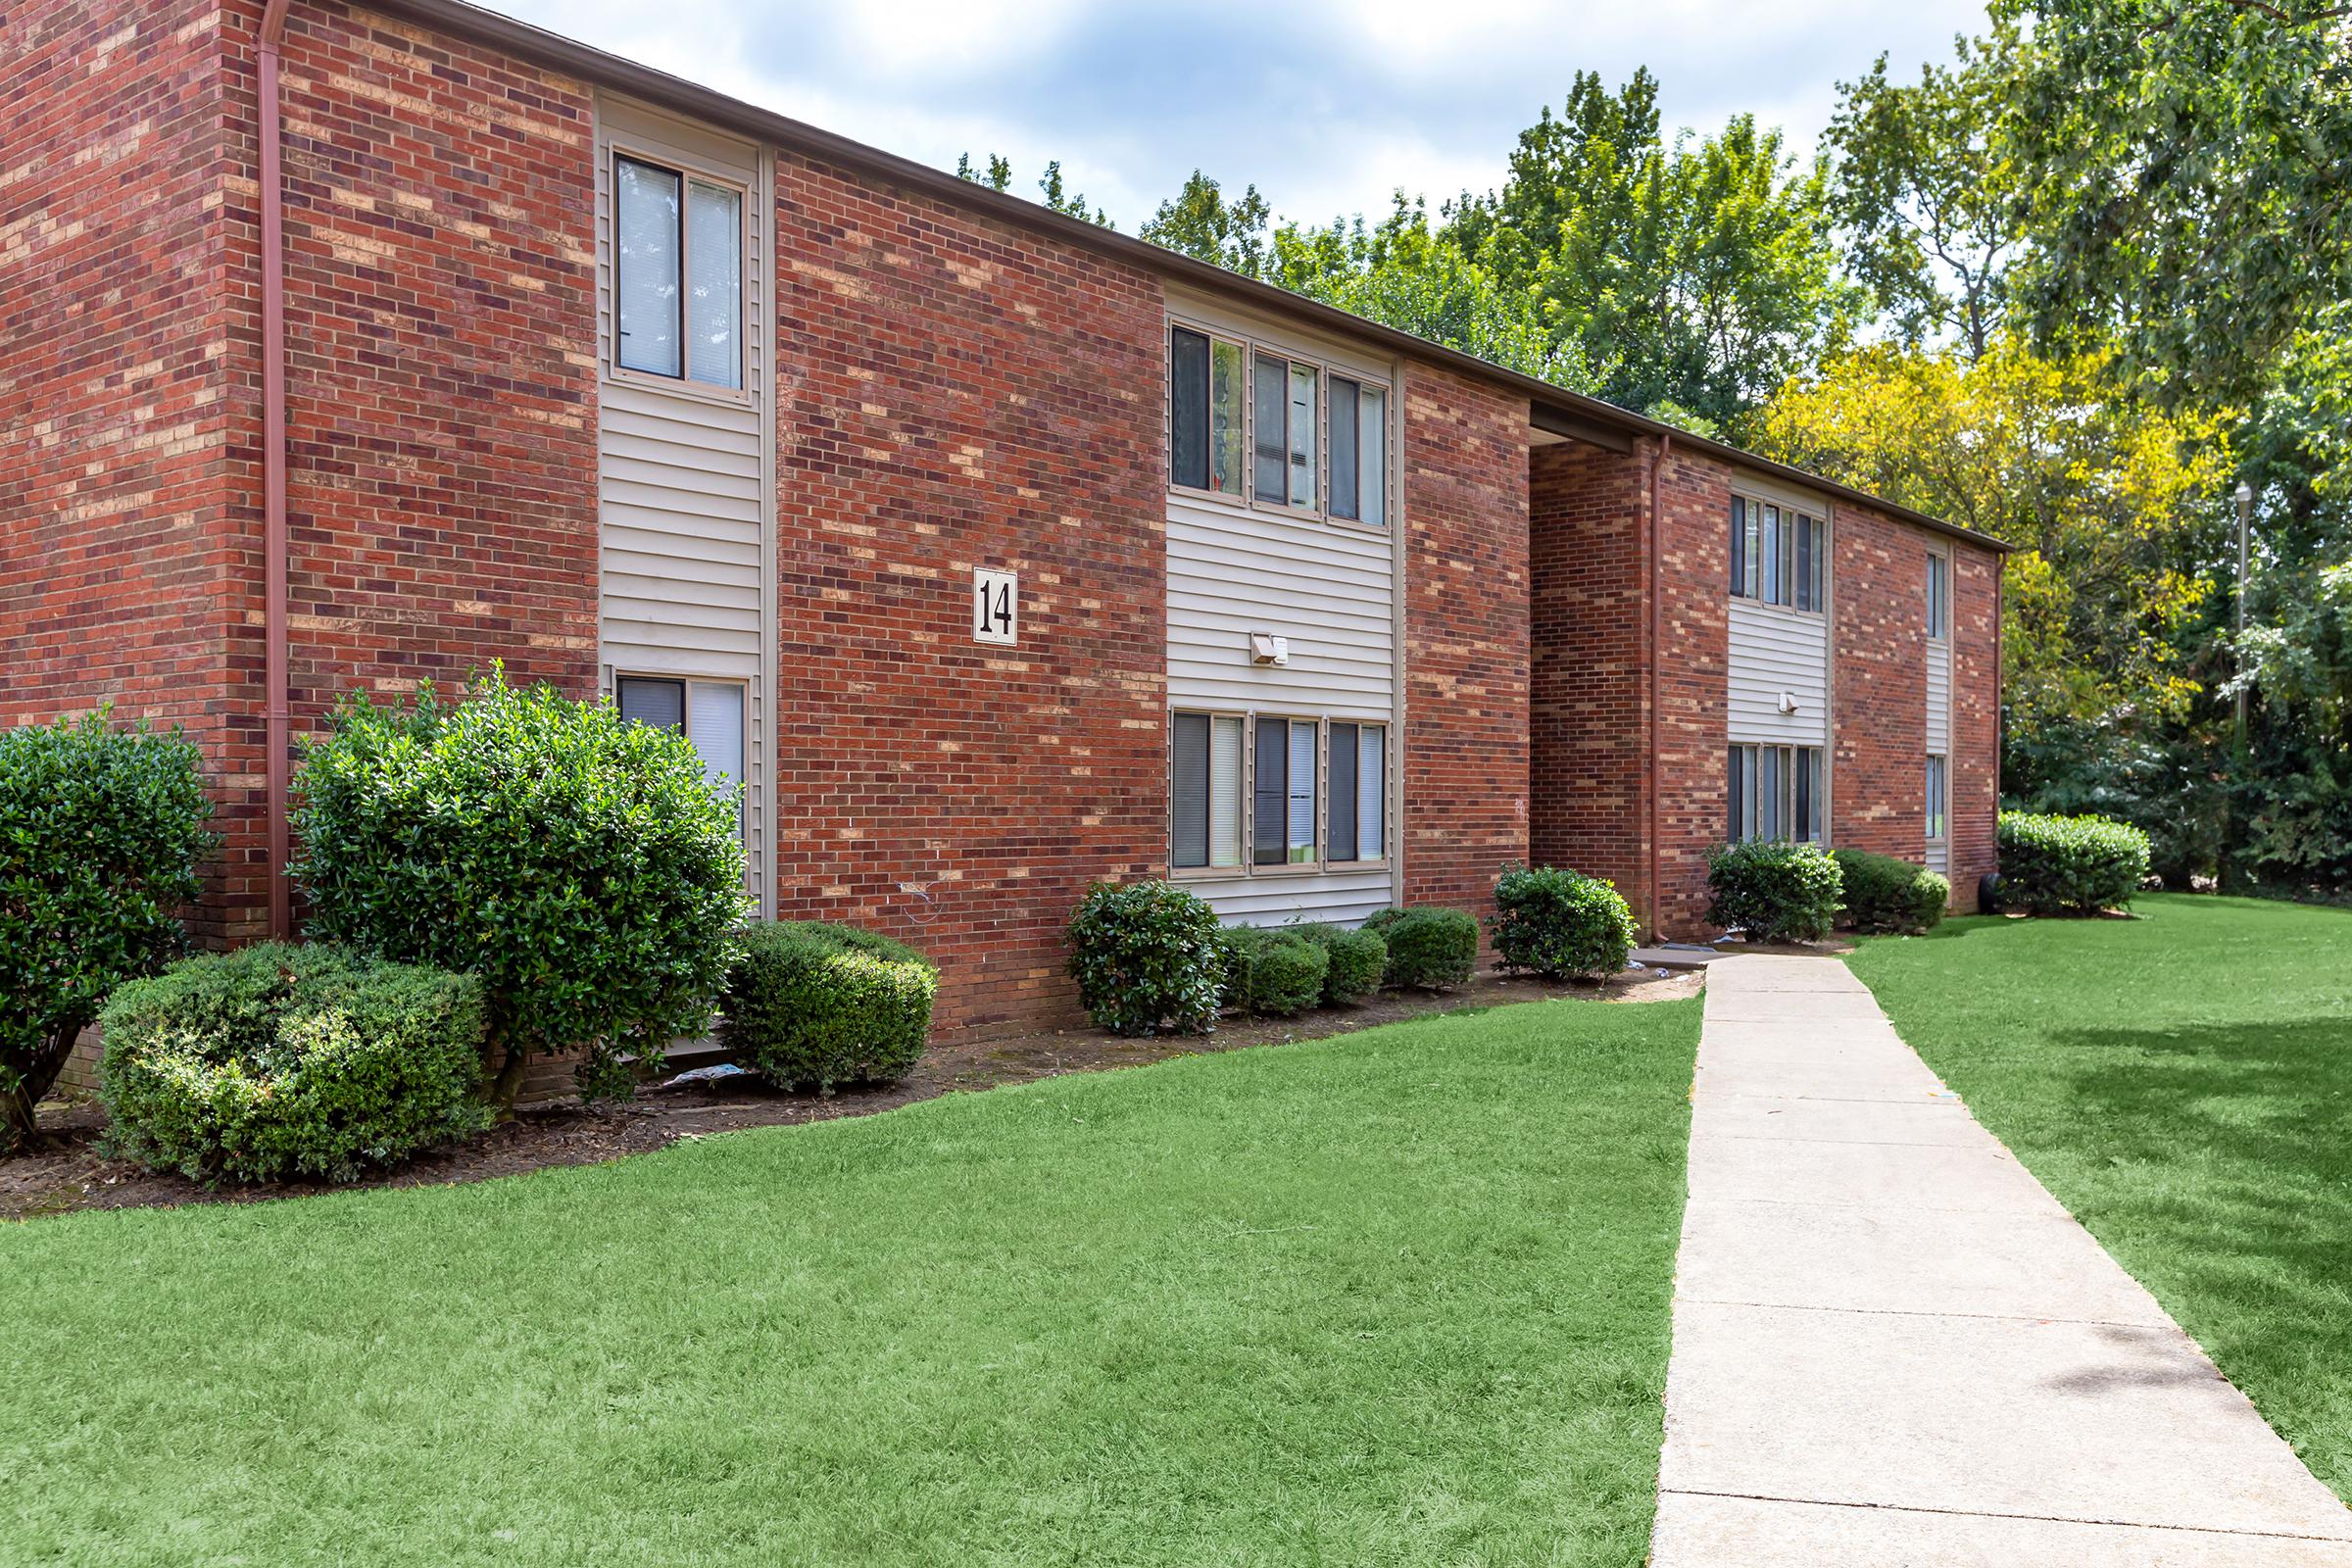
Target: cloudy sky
{"points": [[1327, 105]]}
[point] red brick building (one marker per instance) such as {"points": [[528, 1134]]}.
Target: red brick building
{"points": [[994, 553]]}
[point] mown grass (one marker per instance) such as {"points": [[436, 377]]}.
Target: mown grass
{"points": [[1395, 1298], [2184, 1083]]}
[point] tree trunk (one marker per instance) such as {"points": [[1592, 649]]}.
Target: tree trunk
{"points": [[18, 1129], [509, 1083], [17, 1104]]}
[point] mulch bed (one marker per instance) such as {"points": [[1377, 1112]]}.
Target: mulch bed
{"points": [[68, 1172]]}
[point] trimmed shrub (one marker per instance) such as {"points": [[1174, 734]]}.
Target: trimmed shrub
{"points": [[811, 1005], [1773, 890], [1429, 949], [579, 865], [1147, 958], [1357, 959], [100, 830], [2070, 864], [1560, 924], [1274, 972], [279, 1061], [1881, 894]]}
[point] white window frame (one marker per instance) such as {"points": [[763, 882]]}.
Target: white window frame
{"points": [[1253, 346], [683, 383], [687, 683], [1322, 862]]}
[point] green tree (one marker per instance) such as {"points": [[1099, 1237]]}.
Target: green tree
{"points": [[997, 175], [1928, 199], [2190, 163], [1200, 223], [1698, 276]]}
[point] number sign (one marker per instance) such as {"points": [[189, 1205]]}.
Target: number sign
{"points": [[995, 606]]}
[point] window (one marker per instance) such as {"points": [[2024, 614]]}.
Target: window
{"points": [[1277, 766], [1207, 786], [1774, 793], [678, 274], [1360, 452], [1940, 596], [708, 712], [1205, 411], [1939, 798], [1359, 790], [1287, 398], [1779, 555]]}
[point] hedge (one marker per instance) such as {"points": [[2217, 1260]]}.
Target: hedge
{"points": [[579, 865], [2070, 864], [1879, 893], [811, 1005], [1773, 890], [1358, 961], [1560, 924], [101, 831], [1429, 949], [279, 1061], [1273, 972], [1147, 960]]}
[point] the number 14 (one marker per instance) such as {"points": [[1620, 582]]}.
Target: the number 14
{"points": [[995, 606]]}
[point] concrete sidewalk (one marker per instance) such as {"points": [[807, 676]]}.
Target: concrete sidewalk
{"points": [[1893, 1349]]}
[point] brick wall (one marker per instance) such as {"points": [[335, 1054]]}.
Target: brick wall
{"points": [[1693, 501], [953, 392], [1466, 646], [1589, 710], [1877, 796], [119, 527]]}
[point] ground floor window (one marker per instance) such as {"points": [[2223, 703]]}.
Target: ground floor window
{"points": [[1774, 793], [710, 712], [1939, 798], [1272, 791]]}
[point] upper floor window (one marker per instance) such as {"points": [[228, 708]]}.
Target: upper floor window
{"points": [[1266, 427], [1940, 596], [678, 274], [1780, 556]]}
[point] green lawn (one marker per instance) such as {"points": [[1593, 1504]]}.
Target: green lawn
{"points": [[1393, 1298], [2184, 1083]]}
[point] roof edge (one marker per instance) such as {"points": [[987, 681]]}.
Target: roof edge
{"points": [[707, 104]]}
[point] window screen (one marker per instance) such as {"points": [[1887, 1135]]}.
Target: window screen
{"points": [[1372, 457], [1302, 800], [1188, 409], [1225, 401], [714, 299], [1938, 593], [1344, 759], [1346, 473], [1270, 807], [1272, 398], [658, 702], [1303, 382], [645, 266], [1188, 783], [1936, 798], [1225, 791]]}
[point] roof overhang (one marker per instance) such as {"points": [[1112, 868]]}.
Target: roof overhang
{"points": [[1551, 409]]}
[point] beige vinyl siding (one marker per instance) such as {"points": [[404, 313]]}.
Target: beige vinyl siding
{"points": [[1328, 587], [685, 482], [1775, 650], [1940, 739]]}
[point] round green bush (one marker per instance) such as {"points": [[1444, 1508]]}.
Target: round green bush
{"points": [[1881, 894], [1273, 972], [1357, 959], [1147, 958], [1429, 949], [577, 864], [100, 830], [811, 1005], [1560, 924], [279, 1061], [2070, 864], [1774, 891]]}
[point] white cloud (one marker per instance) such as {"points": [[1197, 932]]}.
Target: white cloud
{"points": [[1326, 106]]}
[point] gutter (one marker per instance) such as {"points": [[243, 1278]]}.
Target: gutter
{"points": [[276, 722], [1548, 404]]}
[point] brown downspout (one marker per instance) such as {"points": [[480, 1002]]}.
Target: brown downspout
{"points": [[1657, 687], [276, 723]]}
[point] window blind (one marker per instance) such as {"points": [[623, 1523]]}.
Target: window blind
{"points": [[1269, 807], [1371, 791], [1188, 781], [1225, 791], [1302, 793], [1272, 398]]}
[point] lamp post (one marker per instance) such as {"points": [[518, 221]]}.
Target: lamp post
{"points": [[2245, 515]]}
